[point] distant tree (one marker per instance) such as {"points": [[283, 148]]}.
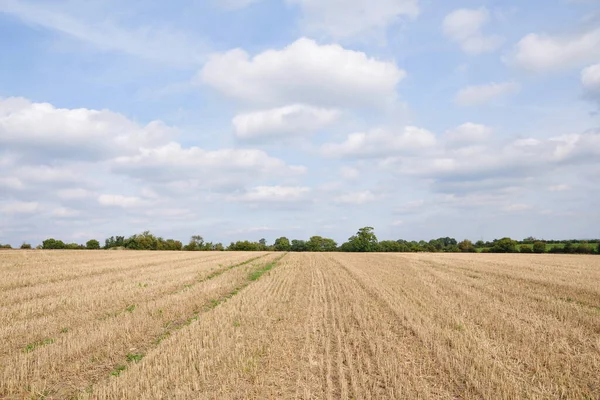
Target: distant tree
{"points": [[504, 245], [539, 247], [92, 244], [525, 248], [5, 246], [318, 243], [466, 246], [196, 243], [598, 247], [298, 245], [53, 244], [263, 242], [479, 244], [568, 248], [364, 241], [245, 246], [529, 240], [26, 246], [391, 246], [282, 244], [584, 248]]}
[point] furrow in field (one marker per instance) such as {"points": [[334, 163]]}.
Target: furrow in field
{"points": [[36, 321], [89, 352], [495, 357]]}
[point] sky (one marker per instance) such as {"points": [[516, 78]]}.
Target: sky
{"points": [[249, 119]]}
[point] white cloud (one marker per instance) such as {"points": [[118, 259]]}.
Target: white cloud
{"points": [[349, 173], [273, 194], [297, 119], [304, 73], [21, 207], [381, 142], [341, 19], [468, 133], [464, 26], [172, 162], [48, 132], [559, 188], [517, 207], [483, 94], [357, 198], [590, 78], [65, 212], [545, 53], [117, 200], [73, 194]]}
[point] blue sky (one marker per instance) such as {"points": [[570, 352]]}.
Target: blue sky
{"points": [[243, 119]]}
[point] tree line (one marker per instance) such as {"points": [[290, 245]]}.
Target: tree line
{"points": [[364, 240]]}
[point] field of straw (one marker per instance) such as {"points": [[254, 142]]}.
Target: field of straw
{"points": [[219, 325]]}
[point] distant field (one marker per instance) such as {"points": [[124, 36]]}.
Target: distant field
{"points": [[145, 325]]}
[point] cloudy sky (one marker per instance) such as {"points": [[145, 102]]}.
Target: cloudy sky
{"points": [[243, 119]]}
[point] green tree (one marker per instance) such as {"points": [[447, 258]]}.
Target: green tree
{"points": [[539, 247], [364, 241], [53, 244], [282, 244], [92, 244], [504, 245], [525, 248], [568, 248], [26, 246], [584, 248], [298, 245], [196, 243], [318, 243], [466, 246]]}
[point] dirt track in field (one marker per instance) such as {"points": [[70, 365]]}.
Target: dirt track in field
{"points": [[322, 326]]}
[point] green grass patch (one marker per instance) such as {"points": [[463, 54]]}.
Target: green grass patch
{"points": [[32, 346], [118, 369], [134, 357]]}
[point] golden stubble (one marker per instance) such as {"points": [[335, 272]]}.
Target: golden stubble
{"points": [[315, 326]]}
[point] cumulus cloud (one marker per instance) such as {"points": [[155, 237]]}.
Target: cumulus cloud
{"points": [[50, 133], [304, 73], [483, 94], [468, 133], [173, 162], [353, 18], [357, 198], [590, 78], [117, 200], [273, 194], [464, 26], [380, 142], [454, 169], [545, 53], [65, 212], [292, 120], [21, 207]]}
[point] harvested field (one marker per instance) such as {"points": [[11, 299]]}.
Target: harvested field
{"points": [[131, 325]]}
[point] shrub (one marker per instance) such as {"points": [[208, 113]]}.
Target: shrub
{"points": [[466, 246], [26, 246], [525, 248], [504, 245], [584, 248], [92, 244], [539, 247]]}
